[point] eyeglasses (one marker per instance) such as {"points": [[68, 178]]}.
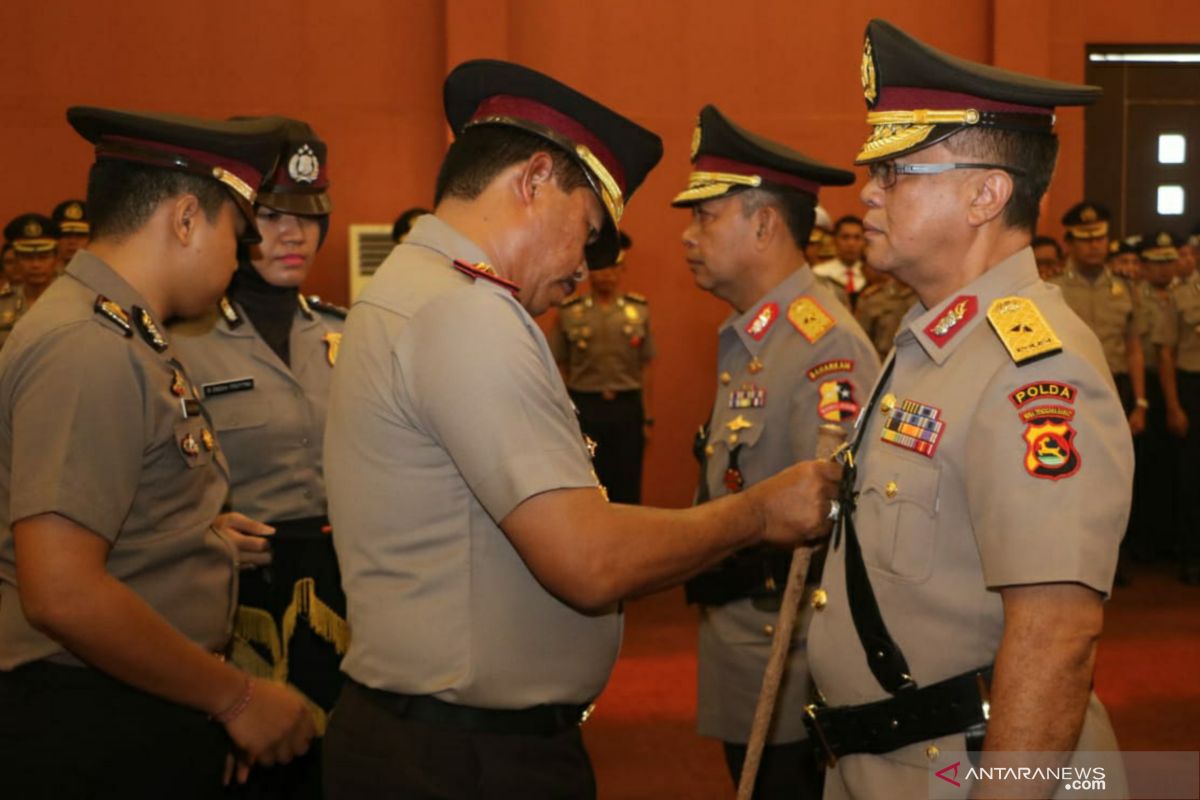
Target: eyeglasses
{"points": [[884, 172]]}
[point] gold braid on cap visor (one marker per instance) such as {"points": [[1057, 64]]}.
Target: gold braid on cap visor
{"points": [[704, 185], [608, 189], [897, 131]]}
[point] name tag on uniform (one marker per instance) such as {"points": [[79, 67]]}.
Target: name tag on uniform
{"points": [[225, 387]]}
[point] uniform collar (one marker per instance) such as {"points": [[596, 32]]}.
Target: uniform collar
{"points": [[772, 307], [435, 234], [941, 329], [95, 274], [232, 319]]}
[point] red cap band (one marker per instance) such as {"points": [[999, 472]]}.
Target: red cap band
{"points": [[242, 170], [707, 163], [504, 105], [903, 98]]}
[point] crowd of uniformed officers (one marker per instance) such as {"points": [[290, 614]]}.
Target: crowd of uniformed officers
{"points": [[239, 522]]}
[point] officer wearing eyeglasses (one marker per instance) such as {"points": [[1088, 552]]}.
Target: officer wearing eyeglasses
{"points": [[963, 593]]}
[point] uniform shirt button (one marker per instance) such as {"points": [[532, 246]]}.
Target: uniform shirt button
{"points": [[726, 378], [709, 449], [932, 752], [891, 489], [769, 630], [819, 599], [887, 403], [733, 439]]}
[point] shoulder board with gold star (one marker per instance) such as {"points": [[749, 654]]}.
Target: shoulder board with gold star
{"points": [[317, 304], [485, 271], [808, 317], [114, 314], [570, 301], [637, 298], [1023, 330], [229, 313]]}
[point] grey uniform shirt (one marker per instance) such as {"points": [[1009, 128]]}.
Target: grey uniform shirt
{"points": [[1179, 325], [447, 411], [1106, 306], [794, 361], [604, 347], [974, 473], [269, 417], [93, 428], [1150, 306]]}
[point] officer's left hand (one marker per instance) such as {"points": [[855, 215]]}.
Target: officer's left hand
{"points": [[249, 536], [1137, 421]]}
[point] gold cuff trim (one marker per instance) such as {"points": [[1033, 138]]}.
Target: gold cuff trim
{"points": [[924, 116], [609, 191], [888, 140], [234, 182]]}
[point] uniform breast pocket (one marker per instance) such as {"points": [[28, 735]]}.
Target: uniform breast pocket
{"points": [[235, 412], [897, 516], [194, 441], [1191, 315]]}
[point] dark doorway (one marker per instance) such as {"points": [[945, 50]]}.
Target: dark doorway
{"points": [[1142, 138]]}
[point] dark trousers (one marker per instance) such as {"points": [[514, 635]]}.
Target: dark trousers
{"points": [[371, 753], [73, 732], [616, 427], [1156, 489], [786, 771], [1189, 470]]}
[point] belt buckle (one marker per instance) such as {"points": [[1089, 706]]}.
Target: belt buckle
{"points": [[811, 711]]}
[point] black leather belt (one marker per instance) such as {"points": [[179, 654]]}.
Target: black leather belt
{"points": [[955, 705], [544, 720]]}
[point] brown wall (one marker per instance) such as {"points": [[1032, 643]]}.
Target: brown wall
{"points": [[367, 73]]}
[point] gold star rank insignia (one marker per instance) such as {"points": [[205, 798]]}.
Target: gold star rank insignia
{"points": [[808, 317], [333, 341], [1022, 329]]}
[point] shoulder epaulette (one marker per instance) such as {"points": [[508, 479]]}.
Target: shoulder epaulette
{"points": [[637, 298], [317, 304], [114, 314], [572, 300], [229, 313], [485, 271], [810, 318], [1023, 330]]}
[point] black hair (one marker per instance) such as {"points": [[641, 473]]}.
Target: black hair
{"points": [[481, 152], [848, 219], [1033, 153], [404, 222], [798, 209], [1041, 241], [122, 195]]}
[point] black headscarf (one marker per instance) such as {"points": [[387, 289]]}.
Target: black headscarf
{"points": [[271, 309]]}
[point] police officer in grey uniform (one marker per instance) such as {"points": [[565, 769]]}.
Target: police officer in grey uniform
{"points": [[956, 611], [602, 341], [790, 358], [1177, 338], [263, 358], [34, 238], [483, 568], [881, 307], [73, 229], [1156, 494], [117, 579], [1105, 302], [12, 296]]}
